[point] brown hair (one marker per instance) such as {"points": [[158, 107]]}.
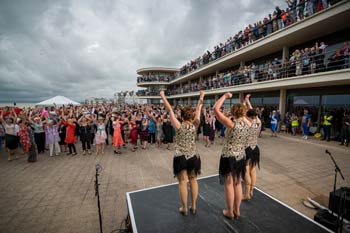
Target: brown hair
{"points": [[238, 110], [187, 113]]}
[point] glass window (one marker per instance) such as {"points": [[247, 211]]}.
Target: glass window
{"points": [[256, 100], [271, 100], [306, 100], [229, 102], [194, 102], [336, 100], [297, 104]]}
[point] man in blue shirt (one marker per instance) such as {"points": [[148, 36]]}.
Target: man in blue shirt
{"points": [[305, 123], [152, 131], [273, 123]]}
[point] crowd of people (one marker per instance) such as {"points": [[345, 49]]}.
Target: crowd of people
{"points": [[147, 92], [304, 61], [59, 128], [279, 19], [308, 60], [155, 78], [334, 122]]}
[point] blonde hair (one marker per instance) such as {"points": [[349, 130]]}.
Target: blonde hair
{"points": [[238, 110]]}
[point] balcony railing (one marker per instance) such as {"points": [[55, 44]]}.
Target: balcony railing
{"points": [[255, 33], [298, 65], [154, 78]]}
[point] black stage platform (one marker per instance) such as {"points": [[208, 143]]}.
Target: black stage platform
{"points": [[156, 210]]}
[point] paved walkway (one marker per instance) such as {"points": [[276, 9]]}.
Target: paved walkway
{"points": [[56, 194]]}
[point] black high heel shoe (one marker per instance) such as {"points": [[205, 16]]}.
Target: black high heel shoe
{"points": [[193, 211], [183, 211], [227, 216], [235, 215]]}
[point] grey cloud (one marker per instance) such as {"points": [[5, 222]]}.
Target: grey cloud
{"points": [[93, 48]]}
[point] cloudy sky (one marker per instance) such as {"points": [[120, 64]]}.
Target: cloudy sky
{"points": [[88, 48]]}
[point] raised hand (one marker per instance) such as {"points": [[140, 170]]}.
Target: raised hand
{"points": [[162, 94], [201, 94], [228, 95]]}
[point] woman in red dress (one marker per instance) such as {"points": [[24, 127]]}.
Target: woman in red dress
{"points": [[24, 138], [133, 135], [117, 136], [70, 137]]}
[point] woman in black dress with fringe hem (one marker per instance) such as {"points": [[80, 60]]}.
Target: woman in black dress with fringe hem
{"points": [[232, 160], [186, 162], [252, 151]]}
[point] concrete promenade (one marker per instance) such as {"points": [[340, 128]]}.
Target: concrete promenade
{"points": [[56, 194]]}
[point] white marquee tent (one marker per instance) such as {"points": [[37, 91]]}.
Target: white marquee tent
{"points": [[58, 100]]}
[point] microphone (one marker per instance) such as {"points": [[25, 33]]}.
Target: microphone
{"points": [[98, 168], [327, 152]]}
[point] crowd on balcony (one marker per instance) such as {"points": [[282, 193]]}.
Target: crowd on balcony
{"points": [[301, 62], [155, 78], [152, 92], [279, 19]]}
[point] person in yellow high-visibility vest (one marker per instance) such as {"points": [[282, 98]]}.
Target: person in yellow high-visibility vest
{"points": [[295, 123], [327, 124]]}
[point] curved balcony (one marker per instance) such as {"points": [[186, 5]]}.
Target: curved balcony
{"points": [[327, 21], [329, 78], [154, 76], [155, 81], [147, 70], [145, 94]]}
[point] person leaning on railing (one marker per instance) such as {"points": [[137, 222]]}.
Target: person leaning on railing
{"points": [[278, 20]]}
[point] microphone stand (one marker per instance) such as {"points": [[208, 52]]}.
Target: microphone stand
{"points": [[336, 170], [97, 193]]}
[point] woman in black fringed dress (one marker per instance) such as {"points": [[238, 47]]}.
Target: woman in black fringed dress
{"points": [[232, 160], [186, 161], [252, 151]]}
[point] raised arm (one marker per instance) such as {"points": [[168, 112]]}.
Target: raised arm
{"points": [[247, 102], [176, 124], [2, 115], [81, 118], [107, 117], [219, 115], [197, 118], [30, 118], [249, 106], [46, 120], [14, 114], [70, 115]]}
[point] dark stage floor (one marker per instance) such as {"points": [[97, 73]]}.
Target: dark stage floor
{"points": [[156, 210]]}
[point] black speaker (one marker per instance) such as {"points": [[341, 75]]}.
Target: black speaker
{"points": [[326, 219], [339, 202]]}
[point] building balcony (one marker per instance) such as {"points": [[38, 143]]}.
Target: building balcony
{"points": [[325, 22], [154, 76], [323, 79], [152, 83]]}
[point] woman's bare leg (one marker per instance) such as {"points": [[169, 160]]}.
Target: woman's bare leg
{"points": [[237, 187], [247, 182], [229, 196], [194, 189], [182, 178]]}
